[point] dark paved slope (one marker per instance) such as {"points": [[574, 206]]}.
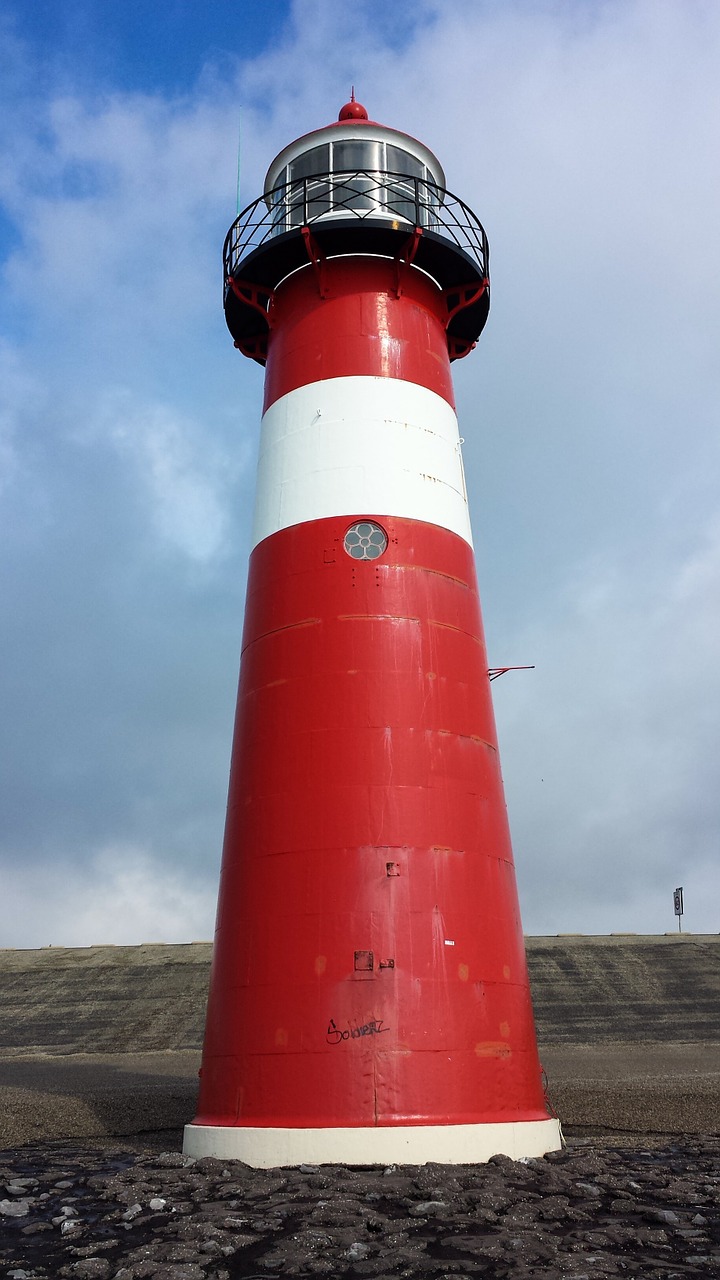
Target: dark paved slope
{"points": [[63, 1000], [626, 988], [152, 998], [106, 1040]]}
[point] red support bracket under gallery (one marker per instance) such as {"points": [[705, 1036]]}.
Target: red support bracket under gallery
{"points": [[466, 295], [458, 298], [405, 258], [317, 259], [254, 348], [253, 295]]}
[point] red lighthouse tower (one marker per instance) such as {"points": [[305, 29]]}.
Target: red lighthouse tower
{"points": [[369, 999]]}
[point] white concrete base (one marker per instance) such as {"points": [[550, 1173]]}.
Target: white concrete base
{"points": [[402, 1144]]}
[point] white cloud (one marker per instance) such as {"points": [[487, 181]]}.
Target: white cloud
{"points": [[609, 749], [117, 256], [20, 396], [585, 137], [186, 477], [123, 895]]}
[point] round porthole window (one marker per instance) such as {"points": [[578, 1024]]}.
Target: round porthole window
{"points": [[365, 540]]}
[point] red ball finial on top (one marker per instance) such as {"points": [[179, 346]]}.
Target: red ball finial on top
{"points": [[353, 110]]}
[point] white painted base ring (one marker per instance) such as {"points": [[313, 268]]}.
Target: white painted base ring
{"points": [[264, 1148]]}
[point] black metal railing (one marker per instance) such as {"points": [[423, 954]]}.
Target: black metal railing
{"points": [[392, 198]]}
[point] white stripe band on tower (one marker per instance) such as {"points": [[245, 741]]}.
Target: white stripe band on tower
{"points": [[360, 446]]}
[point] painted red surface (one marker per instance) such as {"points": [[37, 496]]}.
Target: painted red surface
{"points": [[366, 815], [369, 966], [365, 316]]}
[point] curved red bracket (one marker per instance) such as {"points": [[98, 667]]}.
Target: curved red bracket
{"points": [[466, 295], [405, 257], [254, 348], [317, 258], [253, 295], [459, 347]]}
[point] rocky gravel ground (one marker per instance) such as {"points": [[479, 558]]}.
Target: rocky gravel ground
{"points": [[599, 1208]]}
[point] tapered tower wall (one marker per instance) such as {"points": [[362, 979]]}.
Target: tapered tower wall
{"points": [[369, 994]]}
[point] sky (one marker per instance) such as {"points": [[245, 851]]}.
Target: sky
{"points": [[584, 134]]}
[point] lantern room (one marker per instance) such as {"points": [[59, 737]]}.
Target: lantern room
{"points": [[355, 188], [354, 166]]}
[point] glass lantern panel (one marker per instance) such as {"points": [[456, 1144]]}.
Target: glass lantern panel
{"points": [[400, 201], [314, 161], [399, 161], [356, 153]]}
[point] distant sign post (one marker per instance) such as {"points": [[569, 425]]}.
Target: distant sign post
{"points": [[678, 901]]}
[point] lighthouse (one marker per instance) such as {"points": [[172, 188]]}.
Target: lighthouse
{"points": [[369, 998]]}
